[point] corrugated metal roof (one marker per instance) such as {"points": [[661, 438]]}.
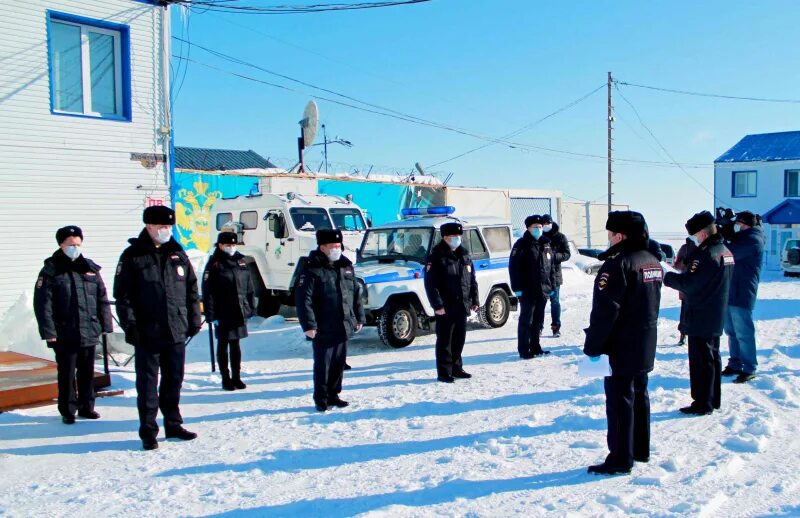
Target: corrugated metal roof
{"points": [[204, 159], [764, 147]]}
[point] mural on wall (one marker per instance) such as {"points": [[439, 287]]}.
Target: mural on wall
{"points": [[383, 201], [195, 195]]}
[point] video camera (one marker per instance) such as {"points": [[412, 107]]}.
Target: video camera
{"points": [[725, 218]]}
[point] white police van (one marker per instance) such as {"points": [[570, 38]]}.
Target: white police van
{"points": [[391, 266]]}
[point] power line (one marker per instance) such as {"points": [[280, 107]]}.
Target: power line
{"points": [[699, 94], [523, 128], [235, 6]]}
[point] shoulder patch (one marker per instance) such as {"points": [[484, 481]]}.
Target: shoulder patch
{"points": [[428, 267], [602, 281], [727, 260], [652, 274], [205, 275], [119, 268], [40, 281], [694, 265]]}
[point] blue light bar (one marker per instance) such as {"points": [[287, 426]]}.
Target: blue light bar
{"points": [[444, 210]]}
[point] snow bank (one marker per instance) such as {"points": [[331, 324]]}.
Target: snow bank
{"points": [[20, 333]]}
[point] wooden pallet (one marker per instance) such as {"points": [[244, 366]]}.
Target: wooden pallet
{"points": [[27, 381]]}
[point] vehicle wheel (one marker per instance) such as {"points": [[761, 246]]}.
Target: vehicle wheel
{"points": [[397, 325], [267, 306], [496, 310]]}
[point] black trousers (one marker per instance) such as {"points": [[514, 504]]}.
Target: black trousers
{"points": [[169, 360], [531, 320], [628, 415], [236, 358], [70, 360], [705, 368], [329, 359], [451, 332]]}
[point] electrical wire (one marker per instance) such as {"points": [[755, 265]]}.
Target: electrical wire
{"points": [[234, 6], [699, 94]]}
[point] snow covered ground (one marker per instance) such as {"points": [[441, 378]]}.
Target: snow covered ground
{"points": [[514, 440]]}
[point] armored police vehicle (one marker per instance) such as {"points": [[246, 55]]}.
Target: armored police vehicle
{"points": [[277, 232], [391, 266]]}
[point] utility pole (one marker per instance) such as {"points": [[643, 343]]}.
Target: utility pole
{"points": [[610, 127], [325, 147]]}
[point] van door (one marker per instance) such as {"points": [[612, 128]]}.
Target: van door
{"points": [[278, 250]]}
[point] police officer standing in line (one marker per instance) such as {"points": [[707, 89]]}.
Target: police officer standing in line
{"points": [[72, 311], [747, 247], [705, 286], [158, 307], [624, 325], [328, 299], [532, 271], [560, 247], [228, 301], [452, 292]]}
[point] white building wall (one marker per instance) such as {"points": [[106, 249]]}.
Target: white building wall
{"points": [[57, 170]]}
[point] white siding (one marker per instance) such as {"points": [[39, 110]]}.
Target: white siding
{"points": [[58, 170], [769, 184]]}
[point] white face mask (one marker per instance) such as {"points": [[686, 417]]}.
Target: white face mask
{"points": [[230, 250], [454, 242], [536, 232], [547, 228], [164, 235], [737, 227], [334, 254], [695, 240], [73, 252]]}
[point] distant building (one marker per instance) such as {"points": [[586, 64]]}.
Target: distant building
{"points": [[761, 173], [84, 127]]}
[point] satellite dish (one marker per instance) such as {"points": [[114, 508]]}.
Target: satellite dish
{"points": [[310, 123]]}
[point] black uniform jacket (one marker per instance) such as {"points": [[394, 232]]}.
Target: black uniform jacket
{"points": [[705, 284], [70, 302], [156, 293], [450, 279], [531, 266], [328, 298], [624, 319], [228, 290], [560, 246]]}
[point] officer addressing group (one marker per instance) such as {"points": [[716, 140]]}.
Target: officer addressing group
{"points": [[72, 311], [452, 292], [330, 310], [531, 268], [228, 301], [705, 286], [623, 325], [158, 307]]}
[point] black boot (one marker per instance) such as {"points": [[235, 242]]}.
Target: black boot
{"points": [[227, 383], [238, 384], [556, 329]]}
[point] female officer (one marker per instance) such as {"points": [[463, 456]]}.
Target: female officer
{"points": [[228, 300]]}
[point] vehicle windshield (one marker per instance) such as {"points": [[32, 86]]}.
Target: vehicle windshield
{"points": [[410, 244], [792, 243], [348, 219], [310, 219]]}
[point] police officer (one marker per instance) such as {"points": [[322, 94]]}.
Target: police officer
{"points": [[705, 286], [330, 310], [624, 324], [228, 301], [532, 271], [561, 253], [158, 307], [452, 291], [72, 311]]}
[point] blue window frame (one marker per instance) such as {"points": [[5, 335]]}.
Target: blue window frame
{"points": [[90, 67], [791, 183], [743, 184]]}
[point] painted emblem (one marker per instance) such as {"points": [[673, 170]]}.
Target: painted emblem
{"points": [[180, 271]]}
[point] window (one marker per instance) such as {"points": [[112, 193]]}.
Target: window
{"points": [[249, 219], [410, 244], [744, 184], [223, 218], [498, 238], [474, 245], [348, 219], [791, 184], [310, 219], [89, 67]]}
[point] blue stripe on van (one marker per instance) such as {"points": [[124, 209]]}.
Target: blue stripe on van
{"points": [[480, 265]]}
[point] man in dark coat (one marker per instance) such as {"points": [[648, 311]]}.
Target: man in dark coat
{"points": [[452, 292], [72, 311], [531, 267], [560, 246], [705, 289], [680, 265], [747, 247], [624, 324], [228, 301], [330, 310], [158, 305]]}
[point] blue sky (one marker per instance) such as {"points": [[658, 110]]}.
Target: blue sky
{"points": [[493, 66]]}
